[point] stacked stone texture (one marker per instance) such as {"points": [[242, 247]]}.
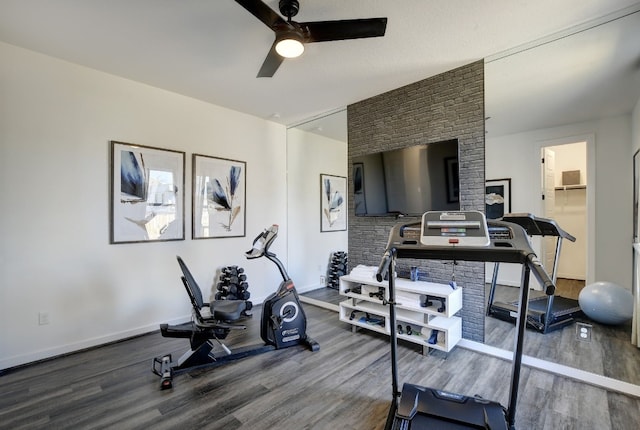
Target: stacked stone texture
{"points": [[443, 107]]}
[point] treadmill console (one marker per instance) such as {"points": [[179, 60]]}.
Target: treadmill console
{"points": [[468, 228]]}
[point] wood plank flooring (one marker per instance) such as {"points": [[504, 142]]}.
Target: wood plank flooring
{"points": [[610, 352], [328, 295], [346, 385]]}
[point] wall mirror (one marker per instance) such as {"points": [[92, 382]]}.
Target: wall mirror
{"points": [[316, 148], [510, 89], [589, 73]]}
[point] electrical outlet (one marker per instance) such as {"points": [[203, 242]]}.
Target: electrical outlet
{"points": [[583, 332], [322, 280], [43, 318]]}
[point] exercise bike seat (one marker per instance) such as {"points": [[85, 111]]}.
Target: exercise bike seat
{"points": [[218, 310], [227, 310]]}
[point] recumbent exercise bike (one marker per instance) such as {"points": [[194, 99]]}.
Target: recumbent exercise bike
{"points": [[283, 323]]}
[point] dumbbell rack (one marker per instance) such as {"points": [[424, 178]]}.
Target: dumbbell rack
{"points": [[337, 268], [233, 285]]}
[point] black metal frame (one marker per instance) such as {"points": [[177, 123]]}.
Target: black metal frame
{"points": [[535, 226], [201, 331], [515, 249]]}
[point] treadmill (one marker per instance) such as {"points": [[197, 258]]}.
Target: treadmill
{"points": [[546, 313], [457, 236]]}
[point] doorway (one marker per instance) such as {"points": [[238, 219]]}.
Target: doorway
{"points": [[565, 185]]}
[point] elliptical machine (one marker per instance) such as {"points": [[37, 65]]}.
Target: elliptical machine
{"points": [[283, 322]]}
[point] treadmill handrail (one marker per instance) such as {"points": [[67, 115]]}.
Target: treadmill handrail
{"points": [[541, 275], [515, 249], [470, 254], [536, 226]]}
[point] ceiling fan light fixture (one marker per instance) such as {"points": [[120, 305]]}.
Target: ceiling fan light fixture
{"points": [[291, 36], [289, 45]]}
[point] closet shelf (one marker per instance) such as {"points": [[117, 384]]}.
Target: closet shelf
{"points": [[572, 187]]}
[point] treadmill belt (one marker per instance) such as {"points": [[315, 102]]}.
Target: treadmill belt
{"points": [[561, 306], [563, 313]]}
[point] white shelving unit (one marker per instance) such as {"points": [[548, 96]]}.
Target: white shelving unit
{"points": [[364, 308]]}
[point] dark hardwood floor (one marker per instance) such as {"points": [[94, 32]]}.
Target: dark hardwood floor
{"points": [[609, 352], [328, 295], [346, 385]]}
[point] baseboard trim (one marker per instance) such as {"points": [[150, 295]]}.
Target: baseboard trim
{"points": [[320, 304], [307, 288], [590, 378], [18, 361]]}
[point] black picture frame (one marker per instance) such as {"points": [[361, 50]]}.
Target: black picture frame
{"points": [[452, 179], [497, 198], [146, 194], [333, 203], [219, 197], [359, 196]]}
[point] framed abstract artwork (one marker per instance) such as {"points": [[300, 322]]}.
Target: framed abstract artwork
{"points": [[146, 194], [497, 198], [219, 197], [333, 205]]}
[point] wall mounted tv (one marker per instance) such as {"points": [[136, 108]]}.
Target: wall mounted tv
{"points": [[408, 181]]}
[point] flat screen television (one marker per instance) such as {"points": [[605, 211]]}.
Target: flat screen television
{"points": [[408, 181]]}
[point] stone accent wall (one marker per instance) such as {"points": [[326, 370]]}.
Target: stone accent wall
{"points": [[446, 106]]}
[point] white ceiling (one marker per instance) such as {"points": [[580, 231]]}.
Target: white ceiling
{"points": [[212, 49]]}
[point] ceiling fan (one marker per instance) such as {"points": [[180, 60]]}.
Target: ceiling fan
{"points": [[291, 36]]}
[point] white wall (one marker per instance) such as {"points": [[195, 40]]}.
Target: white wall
{"points": [[308, 156], [56, 121], [609, 149]]}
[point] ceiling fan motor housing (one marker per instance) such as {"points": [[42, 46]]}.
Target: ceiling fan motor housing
{"points": [[289, 8]]}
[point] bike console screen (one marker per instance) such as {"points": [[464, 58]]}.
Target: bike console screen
{"points": [[262, 242]]}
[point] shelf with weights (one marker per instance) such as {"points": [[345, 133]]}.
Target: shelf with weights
{"points": [[425, 310], [233, 285], [337, 268]]}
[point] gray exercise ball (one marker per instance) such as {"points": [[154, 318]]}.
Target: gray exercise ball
{"points": [[606, 302]]}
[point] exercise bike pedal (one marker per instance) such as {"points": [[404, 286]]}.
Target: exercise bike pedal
{"points": [[312, 344], [166, 381], [165, 372]]}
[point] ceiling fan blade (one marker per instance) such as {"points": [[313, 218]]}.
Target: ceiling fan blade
{"points": [[324, 31], [263, 12], [271, 63]]}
